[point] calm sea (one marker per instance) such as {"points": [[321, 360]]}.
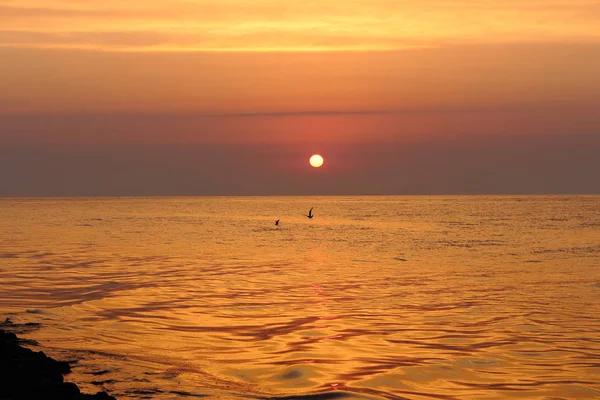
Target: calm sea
{"points": [[474, 297]]}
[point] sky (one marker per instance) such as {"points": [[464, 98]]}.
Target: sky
{"points": [[194, 97]]}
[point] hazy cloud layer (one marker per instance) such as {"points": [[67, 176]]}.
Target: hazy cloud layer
{"points": [[482, 77], [508, 164], [291, 25]]}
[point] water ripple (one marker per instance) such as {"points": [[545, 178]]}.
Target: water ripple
{"points": [[191, 298]]}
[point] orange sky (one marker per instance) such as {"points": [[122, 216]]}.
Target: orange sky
{"points": [[105, 56], [311, 73], [262, 25]]}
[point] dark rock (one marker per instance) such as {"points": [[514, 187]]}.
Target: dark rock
{"points": [[26, 374]]}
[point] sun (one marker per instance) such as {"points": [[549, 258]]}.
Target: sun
{"points": [[316, 160]]}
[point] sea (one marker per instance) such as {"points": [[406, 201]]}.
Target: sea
{"points": [[376, 297]]}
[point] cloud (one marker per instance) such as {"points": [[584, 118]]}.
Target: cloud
{"points": [[167, 41], [83, 39], [263, 25]]}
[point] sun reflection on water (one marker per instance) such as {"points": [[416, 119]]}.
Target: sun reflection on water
{"points": [[447, 298]]}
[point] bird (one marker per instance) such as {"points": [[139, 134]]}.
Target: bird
{"points": [[310, 215], [276, 222]]}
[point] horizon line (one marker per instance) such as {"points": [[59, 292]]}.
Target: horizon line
{"points": [[3, 197]]}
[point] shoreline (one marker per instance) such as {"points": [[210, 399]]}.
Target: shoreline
{"points": [[27, 374]]}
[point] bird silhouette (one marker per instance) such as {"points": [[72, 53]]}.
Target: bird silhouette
{"points": [[276, 222], [310, 214]]}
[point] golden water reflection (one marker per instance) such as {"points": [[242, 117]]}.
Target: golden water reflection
{"points": [[442, 298]]}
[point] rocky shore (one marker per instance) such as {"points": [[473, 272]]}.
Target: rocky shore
{"points": [[26, 374]]}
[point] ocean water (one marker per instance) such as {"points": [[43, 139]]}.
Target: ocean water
{"points": [[472, 297]]}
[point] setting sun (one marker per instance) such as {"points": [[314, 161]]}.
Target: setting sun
{"points": [[316, 160]]}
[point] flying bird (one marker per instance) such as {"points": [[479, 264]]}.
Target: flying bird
{"points": [[310, 214], [276, 222]]}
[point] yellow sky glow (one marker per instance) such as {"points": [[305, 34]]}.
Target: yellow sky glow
{"points": [[267, 56], [269, 25]]}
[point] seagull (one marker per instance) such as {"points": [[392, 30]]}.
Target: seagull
{"points": [[277, 222], [310, 215]]}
